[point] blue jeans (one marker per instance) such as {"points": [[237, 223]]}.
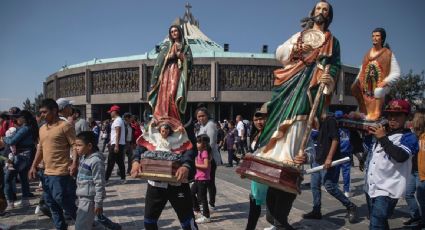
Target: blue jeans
{"points": [[381, 208], [345, 169], [329, 179], [410, 196], [22, 167], [420, 194], [60, 195]]}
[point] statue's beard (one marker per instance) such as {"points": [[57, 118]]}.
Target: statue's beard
{"points": [[319, 19]]}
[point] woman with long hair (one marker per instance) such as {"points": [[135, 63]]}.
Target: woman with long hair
{"points": [[25, 140]]}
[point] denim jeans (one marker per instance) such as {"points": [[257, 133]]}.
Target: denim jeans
{"points": [[60, 195], [23, 165], [381, 208], [329, 178], [410, 196], [420, 194], [345, 170]]}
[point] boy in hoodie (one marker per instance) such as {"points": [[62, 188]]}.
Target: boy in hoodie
{"points": [[90, 180]]}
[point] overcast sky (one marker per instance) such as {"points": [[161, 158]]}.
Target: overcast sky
{"points": [[38, 37]]}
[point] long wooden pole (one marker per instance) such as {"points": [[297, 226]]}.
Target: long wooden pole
{"points": [[312, 114]]}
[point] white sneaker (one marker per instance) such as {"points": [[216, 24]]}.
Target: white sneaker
{"points": [[37, 210], [212, 209], [10, 205], [348, 194], [22, 203], [270, 228], [202, 220], [123, 181]]}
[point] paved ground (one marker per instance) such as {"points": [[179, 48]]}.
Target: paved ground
{"points": [[125, 204]]}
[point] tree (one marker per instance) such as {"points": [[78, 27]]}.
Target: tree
{"points": [[27, 105], [33, 106], [411, 87]]}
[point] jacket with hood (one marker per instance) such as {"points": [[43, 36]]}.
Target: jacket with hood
{"points": [[91, 179]]}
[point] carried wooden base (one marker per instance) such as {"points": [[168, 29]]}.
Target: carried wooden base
{"points": [[159, 170], [361, 125], [279, 176]]}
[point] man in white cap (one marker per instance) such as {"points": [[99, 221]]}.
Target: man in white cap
{"points": [[65, 108]]}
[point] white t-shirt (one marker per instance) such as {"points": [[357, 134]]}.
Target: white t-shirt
{"points": [[118, 122], [240, 127]]}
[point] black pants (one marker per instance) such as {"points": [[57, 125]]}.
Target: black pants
{"points": [[105, 143], [129, 153], [199, 194], [115, 158], [212, 189], [231, 157], [279, 204], [180, 199], [254, 214]]}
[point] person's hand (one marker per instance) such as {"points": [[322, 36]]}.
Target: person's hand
{"points": [[98, 211], [327, 164], [136, 168], [182, 174], [116, 149], [381, 84], [32, 174], [300, 159], [326, 79], [234, 146], [73, 169], [378, 131]]}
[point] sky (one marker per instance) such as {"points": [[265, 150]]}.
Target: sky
{"points": [[38, 37]]}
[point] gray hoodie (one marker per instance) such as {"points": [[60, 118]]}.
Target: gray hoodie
{"points": [[91, 179]]}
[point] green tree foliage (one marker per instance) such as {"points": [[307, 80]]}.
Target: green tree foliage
{"points": [[411, 87], [33, 106]]}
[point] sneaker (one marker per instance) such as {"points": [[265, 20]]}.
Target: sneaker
{"points": [[229, 165], [270, 228], [22, 203], [352, 213], [123, 181], [212, 208], [347, 194], [10, 205], [197, 214], [412, 221], [202, 220], [37, 210], [313, 215]]}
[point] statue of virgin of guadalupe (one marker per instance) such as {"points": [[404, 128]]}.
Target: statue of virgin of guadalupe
{"points": [[168, 91]]}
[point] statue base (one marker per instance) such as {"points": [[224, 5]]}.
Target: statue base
{"points": [[159, 170], [361, 125], [274, 174]]}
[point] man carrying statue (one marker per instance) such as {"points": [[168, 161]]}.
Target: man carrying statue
{"points": [[167, 158], [311, 60]]}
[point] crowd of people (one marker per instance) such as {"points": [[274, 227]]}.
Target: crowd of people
{"points": [[61, 143]]}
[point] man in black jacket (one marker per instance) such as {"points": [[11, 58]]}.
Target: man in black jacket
{"points": [[158, 193]]}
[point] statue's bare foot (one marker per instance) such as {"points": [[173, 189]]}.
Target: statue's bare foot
{"points": [[373, 116]]}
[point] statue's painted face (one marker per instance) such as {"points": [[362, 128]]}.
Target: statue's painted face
{"points": [[175, 34], [322, 8], [376, 38]]}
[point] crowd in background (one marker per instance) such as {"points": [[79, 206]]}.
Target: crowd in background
{"points": [[22, 133]]}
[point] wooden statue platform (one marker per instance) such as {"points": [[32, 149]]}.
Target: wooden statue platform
{"points": [[159, 170], [274, 174]]}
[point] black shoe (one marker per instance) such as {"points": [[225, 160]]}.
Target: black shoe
{"points": [[229, 165], [313, 215], [352, 213], [412, 221]]}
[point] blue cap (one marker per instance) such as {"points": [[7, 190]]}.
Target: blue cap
{"points": [[339, 114]]}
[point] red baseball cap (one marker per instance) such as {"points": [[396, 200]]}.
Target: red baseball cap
{"points": [[114, 108], [397, 106]]}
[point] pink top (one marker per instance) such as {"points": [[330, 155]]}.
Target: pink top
{"points": [[202, 174]]}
